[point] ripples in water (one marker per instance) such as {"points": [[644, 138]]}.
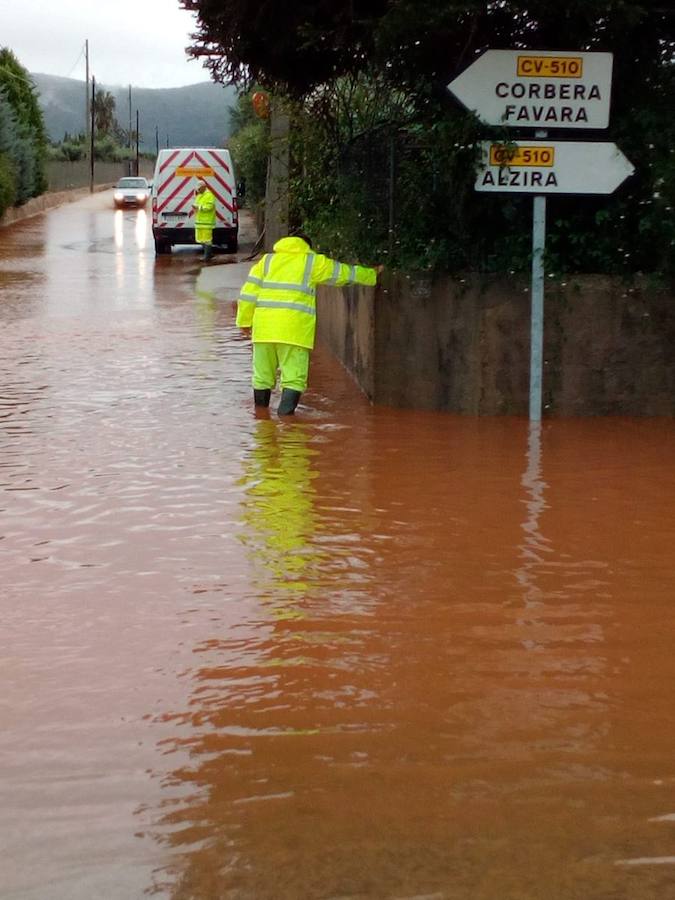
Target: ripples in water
{"points": [[365, 653]]}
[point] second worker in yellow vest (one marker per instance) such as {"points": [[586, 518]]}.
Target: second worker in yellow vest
{"points": [[205, 218], [278, 302]]}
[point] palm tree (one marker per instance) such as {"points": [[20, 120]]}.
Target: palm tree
{"points": [[104, 111]]}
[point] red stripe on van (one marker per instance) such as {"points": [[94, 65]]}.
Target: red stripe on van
{"points": [[175, 163], [221, 181], [164, 186], [220, 160], [168, 160], [182, 203], [177, 190]]}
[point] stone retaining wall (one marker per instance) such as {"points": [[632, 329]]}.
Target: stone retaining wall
{"points": [[46, 201], [74, 177], [463, 345]]}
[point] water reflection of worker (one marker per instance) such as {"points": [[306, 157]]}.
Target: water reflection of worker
{"points": [[206, 309], [279, 518], [251, 688]]}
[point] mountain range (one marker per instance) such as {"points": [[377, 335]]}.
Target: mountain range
{"points": [[192, 116]]}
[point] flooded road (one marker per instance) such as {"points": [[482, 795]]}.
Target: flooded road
{"points": [[366, 653]]}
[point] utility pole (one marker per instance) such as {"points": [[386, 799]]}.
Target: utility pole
{"points": [[92, 131], [130, 131], [137, 139], [156, 140], [86, 89], [276, 193]]}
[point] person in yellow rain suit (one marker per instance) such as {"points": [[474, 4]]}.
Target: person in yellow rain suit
{"points": [[204, 205], [278, 302]]}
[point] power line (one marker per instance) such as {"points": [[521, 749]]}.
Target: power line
{"points": [[30, 79], [18, 77], [76, 61]]}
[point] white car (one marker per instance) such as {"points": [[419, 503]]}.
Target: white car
{"points": [[131, 192]]}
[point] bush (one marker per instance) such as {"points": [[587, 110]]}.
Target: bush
{"points": [[399, 188], [249, 148], [7, 183], [22, 134], [28, 169], [249, 145], [70, 150]]}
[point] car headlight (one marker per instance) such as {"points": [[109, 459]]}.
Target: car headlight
{"points": [[140, 196], [119, 195]]}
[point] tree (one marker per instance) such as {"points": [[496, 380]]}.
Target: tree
{"points": [[312, 50], [104, 112], [21, 92], [8, 152], [249, 143], [29, 137], [296, 47]]}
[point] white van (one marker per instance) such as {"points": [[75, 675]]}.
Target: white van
{"points": [[177, 174]]}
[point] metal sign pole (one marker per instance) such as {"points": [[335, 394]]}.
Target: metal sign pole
{"points": [[523, 89], [537, 315]]}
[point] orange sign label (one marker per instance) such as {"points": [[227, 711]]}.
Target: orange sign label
{"points": [[539, 157], [550, 66], [194, 171]]}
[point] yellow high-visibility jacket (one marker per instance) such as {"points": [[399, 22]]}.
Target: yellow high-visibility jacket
{"points": [[205, 217], [278, 298]]}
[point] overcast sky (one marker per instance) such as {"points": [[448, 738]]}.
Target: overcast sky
{"points": [[137, 42]]}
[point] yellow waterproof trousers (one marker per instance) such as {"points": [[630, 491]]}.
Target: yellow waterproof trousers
{"points": [[291, 360]]}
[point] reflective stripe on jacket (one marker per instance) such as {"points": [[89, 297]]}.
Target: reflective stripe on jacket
{"points": [[278, 298]]}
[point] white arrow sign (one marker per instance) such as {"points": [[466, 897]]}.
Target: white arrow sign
{"points": [[552, 167], [538, 89]]}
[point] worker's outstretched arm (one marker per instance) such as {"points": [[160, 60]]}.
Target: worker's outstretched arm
{"points": [[330, 271]]}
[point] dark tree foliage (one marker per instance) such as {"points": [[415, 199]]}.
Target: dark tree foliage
{"points": [[417, 47], [31, 141], [21, 93], [9, 151], [104, 112], [291, 46], [295, 47]]}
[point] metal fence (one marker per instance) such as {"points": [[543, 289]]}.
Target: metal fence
{"points": [[65, 175], [388, 193]]}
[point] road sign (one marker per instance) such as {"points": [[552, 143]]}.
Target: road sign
{"points": [[538, 88], [552, 167]]}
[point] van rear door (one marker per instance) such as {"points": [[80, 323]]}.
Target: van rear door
{"points": [[177, 174]]}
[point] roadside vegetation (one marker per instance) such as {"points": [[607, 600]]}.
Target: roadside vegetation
{"points": [[249, 146], [23, 141], [24, 147], [112, 143], [383, 155]]}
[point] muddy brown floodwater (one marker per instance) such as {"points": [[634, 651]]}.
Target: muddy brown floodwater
{"points": [[368, 653]]}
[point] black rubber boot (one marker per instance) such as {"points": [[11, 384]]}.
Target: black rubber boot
{"points": [[289, 400], [262, 397]]}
